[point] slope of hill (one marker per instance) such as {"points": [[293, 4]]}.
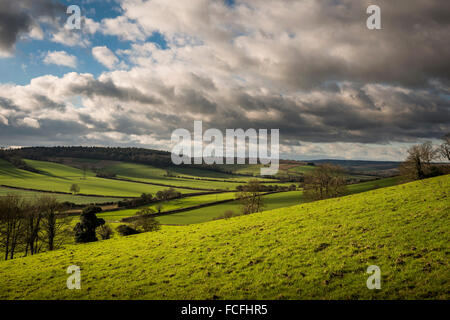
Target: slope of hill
{"points": [[58, 177], [314, 250]]}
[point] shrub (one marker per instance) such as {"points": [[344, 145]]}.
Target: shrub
{"points": [[125, 230], [145, 222], [105, 232]]}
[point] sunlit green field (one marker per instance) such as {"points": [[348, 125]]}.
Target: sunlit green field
{"points": [[60, 197], [169, 205], [145, 173], [271, 201], [374, 184], [318, 250], [58, 177]]}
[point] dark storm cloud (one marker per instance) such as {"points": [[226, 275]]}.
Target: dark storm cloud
{"points": [[95, 87], [412, 47], [17, 17]]}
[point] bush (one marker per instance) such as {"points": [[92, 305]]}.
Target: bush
{"points": [[145, 222], [85, 229], [125, 230], [105, 232]]}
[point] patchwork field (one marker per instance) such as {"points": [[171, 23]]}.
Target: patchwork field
{"points": [[317, 250], [60, 197], [58, 177], [169, 205], [272, 201]]}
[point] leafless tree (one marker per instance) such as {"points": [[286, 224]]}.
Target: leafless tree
{"points": [[54, 221], [12, 226], [325, 181], [418, 162], [105, 232], [444, 148], [32, 220], [250, 197]]}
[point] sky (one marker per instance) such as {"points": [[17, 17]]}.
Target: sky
{"points": [[139, 69]]}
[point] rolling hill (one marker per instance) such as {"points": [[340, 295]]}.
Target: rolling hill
{"points": [[315, 250], [58, 177]]}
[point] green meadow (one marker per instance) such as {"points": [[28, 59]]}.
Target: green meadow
{"points": [[169, 205], [272, 201], [60, 197], [58, 177], [317, 250]]}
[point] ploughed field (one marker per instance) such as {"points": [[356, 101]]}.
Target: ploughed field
{"points": [[315, 250]]}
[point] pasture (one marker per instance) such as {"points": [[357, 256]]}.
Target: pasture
{"points": [[58, 177], [318, 250]]}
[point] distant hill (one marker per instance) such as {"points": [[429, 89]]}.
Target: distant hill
{"points": [[162, 159], [364, 166]]}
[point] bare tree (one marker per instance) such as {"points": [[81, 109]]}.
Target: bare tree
{"points": [[105, 232], [326, 181], [444, 148], [54, 220], [11, 224], [418, 162], [250, 197], [32, 224], [159, 207], [74, 188]]}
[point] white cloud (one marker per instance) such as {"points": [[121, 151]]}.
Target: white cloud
{"points": [[106, 57], [123, 28], [61, 58], [29, 122], [90, 26]]}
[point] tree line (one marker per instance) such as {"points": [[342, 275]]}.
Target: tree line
{"points": [[31, 226]]}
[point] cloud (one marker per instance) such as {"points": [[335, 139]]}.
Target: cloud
{"points": [[30, 122], [106, 57], [4, 120], [18, 18], [309, 68], [123, 28], [61, 58]]}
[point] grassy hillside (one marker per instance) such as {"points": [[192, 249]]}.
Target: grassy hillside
{"points": [[58, 177], [314, 250]]}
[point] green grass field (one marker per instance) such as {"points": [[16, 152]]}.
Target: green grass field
{"points": [[60, 197], [145, 173], [271, 201], [317, 250], [169, 205], [58, 177]]}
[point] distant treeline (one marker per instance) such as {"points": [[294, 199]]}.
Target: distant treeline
{"points": [[139, 155]]}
